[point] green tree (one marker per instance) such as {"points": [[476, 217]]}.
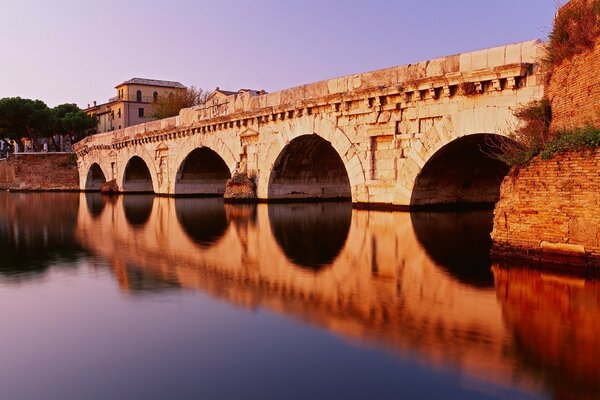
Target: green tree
{"points": [[68, 119], [171, 104], [24, 117]]}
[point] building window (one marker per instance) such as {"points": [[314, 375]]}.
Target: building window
{"points": [[139, 96], [155, 96], [119, 113], [140, 112]]}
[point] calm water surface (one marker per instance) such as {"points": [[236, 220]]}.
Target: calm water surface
{"points": [[158, 298]]}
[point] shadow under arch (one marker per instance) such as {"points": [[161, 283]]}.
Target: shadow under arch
{"points": [[95, 178], [137, 178], [202, 172], [460, 175], [96, 202], [458, 242], [309, 167], [138, 208], [311, 235], [203, 220]]}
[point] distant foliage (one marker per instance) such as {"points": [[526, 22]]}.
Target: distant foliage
{"points": [[576, 29], [171, 104]]}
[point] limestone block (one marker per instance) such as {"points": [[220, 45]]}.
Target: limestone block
{"points": [[466, 62], [338, 85], [513, 53], [496, 56], [479, 59], [317, 89], [354, 82], [273, 99], [530, 51], [443, 66], [382, 77]]}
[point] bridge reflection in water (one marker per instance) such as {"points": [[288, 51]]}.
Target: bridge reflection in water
{"points": [[398, 280]]}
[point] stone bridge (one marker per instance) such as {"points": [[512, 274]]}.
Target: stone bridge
{"points": [[407, 136]]}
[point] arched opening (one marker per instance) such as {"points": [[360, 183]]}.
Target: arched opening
{"points": [[138, 209], [311, 234], [155, 96], [460, 175], [95, 178], [458, 242], [204, 220], [203, 172], [137, 177], [309, 168], [138, 96]]}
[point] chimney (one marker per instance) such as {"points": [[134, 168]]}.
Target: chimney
{"points": [[94, 103]]}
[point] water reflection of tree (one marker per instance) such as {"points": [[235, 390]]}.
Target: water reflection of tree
{"points": [[37, 230]]}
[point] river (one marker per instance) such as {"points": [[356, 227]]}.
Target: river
{"points": [[151, 297]]}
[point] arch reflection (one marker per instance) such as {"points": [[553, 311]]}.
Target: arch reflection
{"points": [[96, 202], [311, 234], [203, 219], [459, 242], [138, 208]]}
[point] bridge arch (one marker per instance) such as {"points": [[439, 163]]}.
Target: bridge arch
{"points": [[458, 174], [95, 178], [326, 139], [137, 177], [202, 172], [195, 142], [309, 167]]}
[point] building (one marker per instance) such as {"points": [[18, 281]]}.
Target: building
{"points": [[216, 102], [133, 103]]}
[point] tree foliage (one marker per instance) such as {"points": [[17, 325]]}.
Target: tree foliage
{"points": [[34, 119], [68, 119], [20, 117], [171, 104]]}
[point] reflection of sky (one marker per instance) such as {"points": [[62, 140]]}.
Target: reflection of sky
{"points": [[75, 336], [77, 51]]}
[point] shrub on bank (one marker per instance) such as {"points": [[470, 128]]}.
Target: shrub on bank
{"points": [[575, 140], [575, 30]]}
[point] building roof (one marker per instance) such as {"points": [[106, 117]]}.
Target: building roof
{"points": [[152, 82]]}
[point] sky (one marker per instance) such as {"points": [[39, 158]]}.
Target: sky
{"points": [[66, 51]]}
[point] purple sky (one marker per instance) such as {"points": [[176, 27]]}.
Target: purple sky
{"points": [[77, 51]]}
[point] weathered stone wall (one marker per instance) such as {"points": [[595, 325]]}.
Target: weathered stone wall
{"points": [[548, 211], [35, 171], [574, 91]]}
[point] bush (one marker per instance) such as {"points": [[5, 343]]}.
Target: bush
{"points": [[576, 29], [576, 140]]}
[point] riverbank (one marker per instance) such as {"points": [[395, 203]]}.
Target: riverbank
{"points": [[39, 172]]}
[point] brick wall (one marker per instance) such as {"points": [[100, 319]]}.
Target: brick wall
{"points": [[574, 87], [47, 171], [549, 210], [574, 91]]}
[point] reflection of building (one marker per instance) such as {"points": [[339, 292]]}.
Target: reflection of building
{"points": [[132, 105]]}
